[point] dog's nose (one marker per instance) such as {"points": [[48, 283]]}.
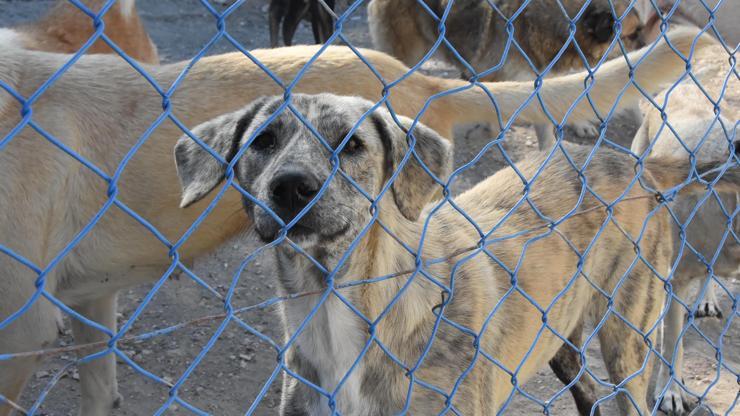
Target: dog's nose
{"points": [[291, 192]]}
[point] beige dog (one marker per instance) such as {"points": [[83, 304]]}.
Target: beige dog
{"points": [[478, 32], [66, 28], [490, 325], [691, 116], [101, 107]]}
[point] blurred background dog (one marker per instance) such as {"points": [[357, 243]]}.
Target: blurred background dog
{"points": [[66, 28], [478, 36]]}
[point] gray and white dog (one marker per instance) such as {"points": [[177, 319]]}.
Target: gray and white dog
{"points": [[400, 336]]}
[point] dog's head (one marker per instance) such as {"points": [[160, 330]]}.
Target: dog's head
{"points": [[289, 170]]}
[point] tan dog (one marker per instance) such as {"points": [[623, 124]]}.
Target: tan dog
{"points": [[66, 28], [478, 32], [101, 107], [491, 326]]}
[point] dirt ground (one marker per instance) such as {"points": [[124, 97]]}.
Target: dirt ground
{"points": [[232, 374]]}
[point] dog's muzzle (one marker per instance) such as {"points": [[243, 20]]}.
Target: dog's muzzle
{"points": [[289, 194]]}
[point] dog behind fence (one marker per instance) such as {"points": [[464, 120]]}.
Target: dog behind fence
{"points": [[460, 301]]}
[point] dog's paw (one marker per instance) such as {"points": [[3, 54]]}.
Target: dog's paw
{"points": [[674, 402], [708, 308], [585, 130], [118, 401]]}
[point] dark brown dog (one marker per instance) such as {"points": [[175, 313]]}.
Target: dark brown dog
{"points": [[289, 13]]}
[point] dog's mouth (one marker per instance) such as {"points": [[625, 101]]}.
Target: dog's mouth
{"points": [[269, 231], [300, 231], [303, 231]]}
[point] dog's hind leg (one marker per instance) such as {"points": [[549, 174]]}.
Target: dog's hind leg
{"points": [[566, 364], [276, 13], [624, 345], [98, 383], [296, 12], [321, 21], [35, 329]]}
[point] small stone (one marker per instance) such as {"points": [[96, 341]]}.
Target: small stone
{"points": [[42, 374], [173, 351]]}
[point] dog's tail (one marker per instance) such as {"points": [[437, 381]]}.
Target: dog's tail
{"points": [[659, 65], [670, 173], [127, 7]]}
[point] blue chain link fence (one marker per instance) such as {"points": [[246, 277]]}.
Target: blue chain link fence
{"points": [[723, 347]]}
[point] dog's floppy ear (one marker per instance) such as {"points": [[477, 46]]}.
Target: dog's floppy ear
{"points": [[413, 187], [198, 170]]}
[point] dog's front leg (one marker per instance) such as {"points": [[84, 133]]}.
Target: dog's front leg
{"points": [[566, 364], [709, 306], [545, 136], [674, 401], [298, 399], [98, 382]]}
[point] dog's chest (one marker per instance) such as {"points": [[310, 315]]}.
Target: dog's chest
{"points": [[331, 343]]}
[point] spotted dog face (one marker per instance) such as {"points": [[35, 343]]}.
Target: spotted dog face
{"points": [[288, 169]]}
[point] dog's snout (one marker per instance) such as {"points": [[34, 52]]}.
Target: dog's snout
{"points": [[291, 192]]}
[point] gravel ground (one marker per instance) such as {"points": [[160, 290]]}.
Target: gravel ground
{"points": [[232, 374]]}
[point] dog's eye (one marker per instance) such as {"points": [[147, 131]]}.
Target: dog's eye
{"points": [[264, 141], [353, 146]]}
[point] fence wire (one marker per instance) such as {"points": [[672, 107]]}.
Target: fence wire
{"points": [[333, 288]]}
